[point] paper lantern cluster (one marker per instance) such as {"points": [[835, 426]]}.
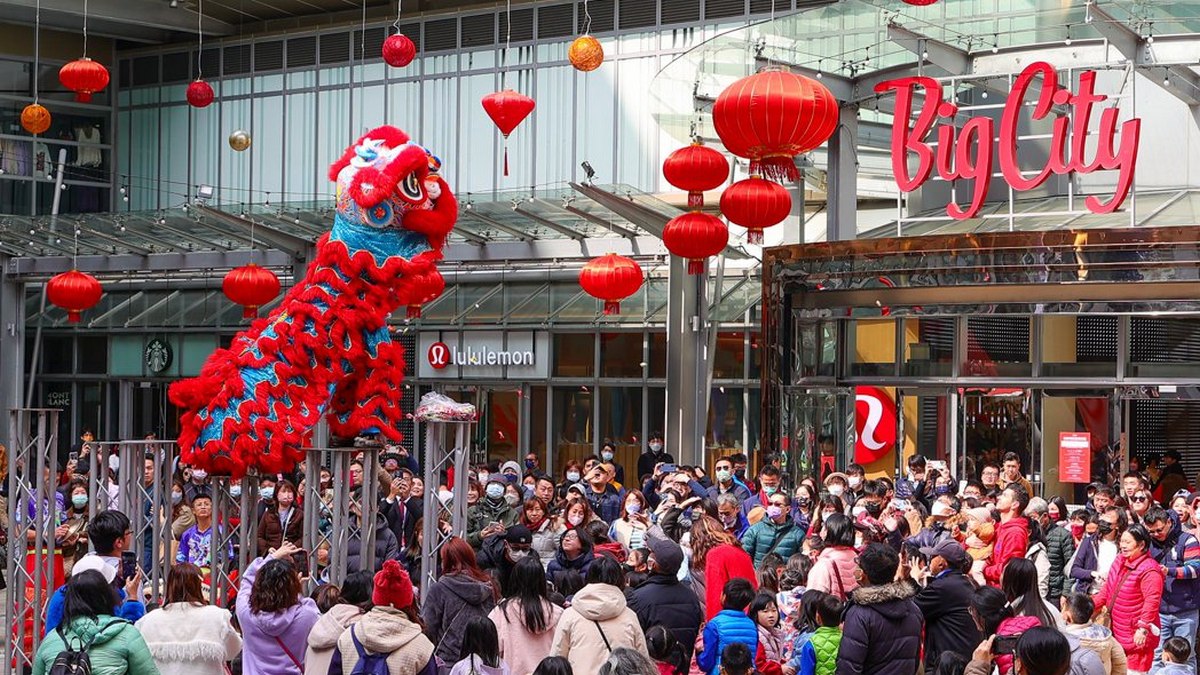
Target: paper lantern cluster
{"points": [[75, 292], [250, 286], [611, 278]]}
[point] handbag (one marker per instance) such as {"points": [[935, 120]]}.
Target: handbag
{"points": [[603, 636], [287, 651]]}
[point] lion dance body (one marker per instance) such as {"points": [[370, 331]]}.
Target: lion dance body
{"points": [[326, 349]]}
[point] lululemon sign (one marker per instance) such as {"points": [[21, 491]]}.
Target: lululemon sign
{"points": [[493, 355], [874, 422], [439, 355], [965, 152]]}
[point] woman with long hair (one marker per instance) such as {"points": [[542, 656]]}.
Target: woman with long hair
{"points": [[577, 514], [392, 626], [274, 617], [188, 636], [544, 528], [1019, 582], [113, 645], [828, 506], [464, 591], [354, 600], [716, 558], [630, 529], [284, 521], [1131, 597], [480, 650], [525, 619], [833, 571], [993, 615], [804, 506]]}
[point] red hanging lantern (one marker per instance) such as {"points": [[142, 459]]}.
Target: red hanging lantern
{"points": [[84, 77], [920, 3], [199, 94], [251, 286], [755, 204], [611, 278], [507, 109], [771, 117], [399, 50], [75, 292], [695, 236], [696, 168]]}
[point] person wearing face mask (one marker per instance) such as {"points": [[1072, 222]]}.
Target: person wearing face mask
{"points": [[755, 507], [572, 474], [834, 570], [1097, 551], [730, 513], [284, 522], [630, 529], [181, 512], [945, 603], [775, 533], [608, 455], [724, 481], [881, 630], [855, 475], [803, 506], [74, 542], [197, 484], [662, 599], [835, 484], [491, 515], [654, 455]]}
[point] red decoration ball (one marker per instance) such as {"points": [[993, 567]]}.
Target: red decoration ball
{"points": [[75, 292], [695, 236], [199, 94], [399, 50], [920, 3], [756, 203], [611, 278]]}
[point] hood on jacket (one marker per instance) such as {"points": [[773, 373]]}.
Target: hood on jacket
{"points": [[1087, 631], [890, 600], [1019, 523], [599, 602], [97, 631], [331, 625], [276, 624], [385, 629], [468, 589]]}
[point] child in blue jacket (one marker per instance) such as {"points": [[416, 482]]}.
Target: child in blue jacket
{"points": [[730, 625]]}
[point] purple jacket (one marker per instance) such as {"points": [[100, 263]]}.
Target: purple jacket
{"points": [[269, 638]]}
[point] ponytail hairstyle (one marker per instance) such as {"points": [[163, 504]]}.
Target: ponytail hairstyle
{"points": [[663, 647]]}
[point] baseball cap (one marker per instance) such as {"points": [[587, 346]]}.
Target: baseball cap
{"points": [[948, 549], [95, 562], [519, 534], [667, 554]]}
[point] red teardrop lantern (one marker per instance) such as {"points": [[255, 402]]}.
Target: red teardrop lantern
{"points": [[920, 3], [695, 236], [756, 204], [507, 109], [771, 117], [75, 292], [696, 168], [399, 50], [251, 286], [199, 94], [611, 278], [84, 77]]}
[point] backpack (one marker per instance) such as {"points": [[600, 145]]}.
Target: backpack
{"points": [[70, 661], [368, 663]]}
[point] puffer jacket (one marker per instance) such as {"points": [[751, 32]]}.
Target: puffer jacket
{"points": [[597, 621], [1012, 539], [1013, 626], [117, 648], [1180, 554], [1083, 660], [545, 539], [386, 547], [662, 599], [772, 647], [1132, 593], [835, 564], [451, 604], [385, 630], [487, 510], [323, 638], [562, 563], [727, 627], [767, 536], [1060, 546], [1101, 641], [522, 649], [187, 639], [881, 632]]}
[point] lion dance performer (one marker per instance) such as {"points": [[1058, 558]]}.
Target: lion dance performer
{"points": [[326, 349]]}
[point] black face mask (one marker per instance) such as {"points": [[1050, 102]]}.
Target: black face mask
{"points": [[962, 527], [803, 502], [873, 509], [1104, 527]]}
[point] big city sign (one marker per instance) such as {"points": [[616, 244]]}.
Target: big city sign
{"points": [[966, 152]]}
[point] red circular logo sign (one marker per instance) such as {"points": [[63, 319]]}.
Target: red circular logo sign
{"points": [[439, 355], [875, 422]]}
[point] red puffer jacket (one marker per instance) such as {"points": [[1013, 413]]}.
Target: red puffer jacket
{"points": [[1132, 593], [1012, 539]]}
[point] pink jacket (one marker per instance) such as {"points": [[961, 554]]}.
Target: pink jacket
{"points": [[834, 563], [1132, 594], [1014, 625]]}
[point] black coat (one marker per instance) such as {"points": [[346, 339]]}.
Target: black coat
{"points": [[881, 633], [948, 624], [661, 599]]}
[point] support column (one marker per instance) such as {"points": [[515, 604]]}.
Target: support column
{"points": [[687, 363], [12, 345], [842, 221]]}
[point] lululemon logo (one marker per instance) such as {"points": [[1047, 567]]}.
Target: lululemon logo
{"points": [[439, 355], [875, 422]]}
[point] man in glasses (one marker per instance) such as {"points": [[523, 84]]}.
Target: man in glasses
{"points": [[1179, 555], [1139, 505], [775, 533]]}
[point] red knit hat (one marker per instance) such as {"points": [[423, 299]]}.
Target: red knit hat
{"points": [[392, 586]]}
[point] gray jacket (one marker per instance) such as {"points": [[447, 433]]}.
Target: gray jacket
{"points": [[453, 601]]}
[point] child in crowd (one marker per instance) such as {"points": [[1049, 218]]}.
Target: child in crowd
{"points": [[730, 625], [1175, 653], [480, 650], [772, 644], [792, 585], [735, 660], [665, 651], [819, 654], [805, 620], [1077, 622]]}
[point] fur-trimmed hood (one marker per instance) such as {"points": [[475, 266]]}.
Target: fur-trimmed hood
{"points": [[887, 599]]}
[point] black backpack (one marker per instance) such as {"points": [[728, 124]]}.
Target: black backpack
{"points": [[71, 661]]}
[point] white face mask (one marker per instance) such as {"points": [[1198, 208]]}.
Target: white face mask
{"points": [[855, 481], [573, 476], [575, 519], [656, 447], [445, 496], [495, 490], [484, 476], [633, 508], [511, 499], [836, 490], [606, 456], [199, 473], [235, 491]]}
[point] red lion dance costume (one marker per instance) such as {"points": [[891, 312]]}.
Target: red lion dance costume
{"points": [[326, 349]]}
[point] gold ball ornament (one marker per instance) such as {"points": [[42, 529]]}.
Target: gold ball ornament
{"points": [[586, 53], [35, 119], [240, 140]]}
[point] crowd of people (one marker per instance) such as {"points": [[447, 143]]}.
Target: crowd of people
{"points": [[679, 570]]}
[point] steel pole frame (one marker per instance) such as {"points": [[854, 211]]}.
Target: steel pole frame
{"points": [[437, 459]]}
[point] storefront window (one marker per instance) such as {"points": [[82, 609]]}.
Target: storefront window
{"points": [[756, 356], [729, 357], [57, 355], [93, 354], [872, 347], [621, 423], [656, 410], [573, 420], [537, 427], [815, 353], [929, 346], [726, 418], [658, 355], [621, 354], [997, 346], [1085, 418], [574, 355], [1079, 346]]}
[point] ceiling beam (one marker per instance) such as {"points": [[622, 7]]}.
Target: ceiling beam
{"points": [[953, 60], [565, 231], [1178, 80]]}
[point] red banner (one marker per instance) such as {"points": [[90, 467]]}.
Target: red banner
{"points": [[1075, 457]]}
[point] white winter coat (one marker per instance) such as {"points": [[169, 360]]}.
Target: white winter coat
{"points": [[187, 639]]}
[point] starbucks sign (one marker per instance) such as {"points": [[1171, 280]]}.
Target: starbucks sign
{"points": [[158, 356]]}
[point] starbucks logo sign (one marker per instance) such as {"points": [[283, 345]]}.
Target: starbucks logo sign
{"points": [[158, 356]]}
